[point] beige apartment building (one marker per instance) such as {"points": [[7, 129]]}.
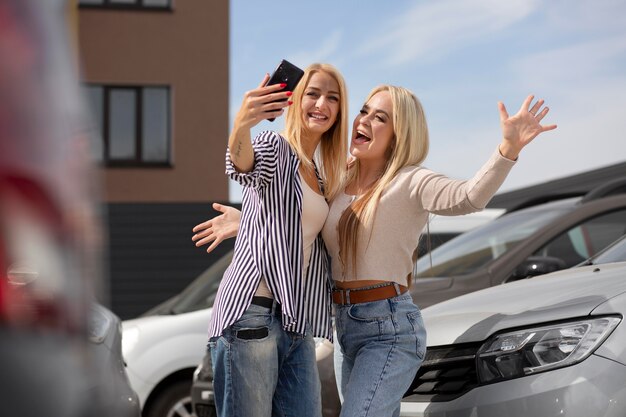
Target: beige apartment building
{"points": [[156, 77]]}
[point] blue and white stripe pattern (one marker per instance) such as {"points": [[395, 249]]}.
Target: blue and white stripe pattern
{"points": [[269, 244]]}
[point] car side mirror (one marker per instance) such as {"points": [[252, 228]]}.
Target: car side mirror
{"points": [[537, 265]]}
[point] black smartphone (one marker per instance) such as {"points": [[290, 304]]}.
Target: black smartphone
{"points": [[286, 73]]}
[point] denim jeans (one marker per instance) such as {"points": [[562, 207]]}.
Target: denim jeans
{"points": [[261, 370], [382, 346]]}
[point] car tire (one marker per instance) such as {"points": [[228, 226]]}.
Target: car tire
{"points": [[173, 401]]}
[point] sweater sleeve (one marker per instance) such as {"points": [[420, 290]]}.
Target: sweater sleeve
{"points": [[266, 148], [441, 195]]}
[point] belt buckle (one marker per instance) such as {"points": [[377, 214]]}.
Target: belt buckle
{"points": [[345, 296]]}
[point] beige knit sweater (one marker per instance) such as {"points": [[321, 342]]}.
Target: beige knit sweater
{"points": [[401, 215]]}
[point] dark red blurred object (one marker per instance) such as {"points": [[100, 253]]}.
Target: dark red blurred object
{"points": [[43, 188], [50, 325]]}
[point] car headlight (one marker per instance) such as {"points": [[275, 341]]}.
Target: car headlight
{"points": [[528, 351]]}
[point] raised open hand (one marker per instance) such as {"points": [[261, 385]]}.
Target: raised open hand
{"points": [[524, 126], [219, 228]]}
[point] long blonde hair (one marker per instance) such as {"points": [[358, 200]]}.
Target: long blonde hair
{"points": [[331, 154], [408, 147]]}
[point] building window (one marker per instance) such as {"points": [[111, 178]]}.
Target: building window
{"points": [[127, 4], [133, 123]]}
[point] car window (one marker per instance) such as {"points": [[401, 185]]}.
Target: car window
{"points": [[200, 294], [586, 239], [474, 249], [441, 229], [615, 253]]}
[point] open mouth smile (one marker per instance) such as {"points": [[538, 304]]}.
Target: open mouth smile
{"points": [[318, 116], [361, 138]]}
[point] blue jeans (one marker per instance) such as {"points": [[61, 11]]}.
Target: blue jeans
{"points": [[261, 370], [383, 345]]}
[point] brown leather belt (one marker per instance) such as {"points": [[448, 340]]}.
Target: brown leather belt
{"points": [[367, 294]]}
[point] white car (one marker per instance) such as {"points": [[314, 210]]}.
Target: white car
{"points": [[164, 346], [554, 345]]}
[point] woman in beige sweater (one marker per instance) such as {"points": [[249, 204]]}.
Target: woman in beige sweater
{"points": [[372, 231]]}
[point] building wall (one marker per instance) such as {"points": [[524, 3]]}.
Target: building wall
{"points": [[187, 49], [152, 257], [150, 211]]}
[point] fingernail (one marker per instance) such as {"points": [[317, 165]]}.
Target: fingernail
{"points": [[290, 102], [289, 93], [283, 85]]}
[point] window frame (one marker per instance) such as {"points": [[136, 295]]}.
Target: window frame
{"points": [[137, 161]]}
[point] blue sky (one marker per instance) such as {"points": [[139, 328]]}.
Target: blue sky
{"points": [[460, 57]]}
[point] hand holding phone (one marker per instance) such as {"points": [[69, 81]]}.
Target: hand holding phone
{"points": [[286, 73]]}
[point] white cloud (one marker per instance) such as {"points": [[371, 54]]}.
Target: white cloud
{"points": [[584, 62], [434, 28]]}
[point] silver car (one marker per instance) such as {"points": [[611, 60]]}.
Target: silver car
{"points": [[551, 346]]}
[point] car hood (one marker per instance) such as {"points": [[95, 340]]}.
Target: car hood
{"points": [[565, 294], [151, 330]]}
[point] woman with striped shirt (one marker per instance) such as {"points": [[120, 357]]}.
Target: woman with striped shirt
{"points": [[274, 298], [372, 232]]}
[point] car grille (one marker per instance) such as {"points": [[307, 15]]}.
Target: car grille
{"points": [[446, 374]]}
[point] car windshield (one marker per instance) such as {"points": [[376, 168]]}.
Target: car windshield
{"points": [[474, 249], [614, 253], [200, 294]]}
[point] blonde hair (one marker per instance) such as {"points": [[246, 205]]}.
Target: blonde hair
{"points": [[408, 147], [333, 149]]}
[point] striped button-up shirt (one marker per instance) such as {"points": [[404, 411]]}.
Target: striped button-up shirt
{"points": [[269, 245]]}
